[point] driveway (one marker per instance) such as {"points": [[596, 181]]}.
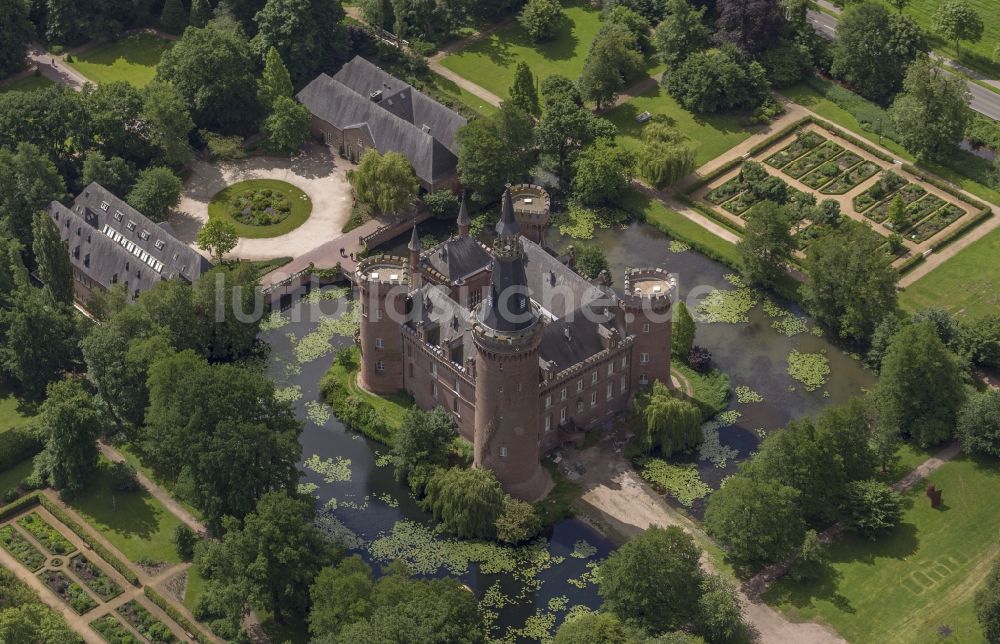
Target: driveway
{"points": [[316, 171]]}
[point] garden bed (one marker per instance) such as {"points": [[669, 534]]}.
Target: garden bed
{"points": [[847, 160], [850, 179], [94, 578], [20, 548], [114, 631], [725, 192], [804, 142], [908, 193], [884, 188], [915, 212], [937, 222], [49, 537], [809, 234], [821, 175], [741, 203], [68, 590], [826, 152], [148, 626]]}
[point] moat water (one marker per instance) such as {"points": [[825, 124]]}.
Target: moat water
{"points": [[530, 590]]}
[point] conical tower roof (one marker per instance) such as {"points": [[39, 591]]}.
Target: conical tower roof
{"points": [[414, 245], [463, 214], [507, 227]]}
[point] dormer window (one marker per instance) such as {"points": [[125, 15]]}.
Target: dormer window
{"points": [[118, 215], [144, 235], [130, 225], [159, 244], [105, 205]]}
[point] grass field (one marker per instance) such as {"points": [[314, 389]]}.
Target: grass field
{"points": [[135, 522], [968, 284], [710, 135], [391, 409], [449, 89], [27, 84], [917, 583], [132, 59], [218, 208], [10, 478], [12, 411], [490, 62], [195, 587]]}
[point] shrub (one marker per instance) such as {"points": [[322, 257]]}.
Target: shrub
{"points": [[518, 521], [185, 540], [223, 148], [700, 359], [589, 261], [979, 424], [467, 502], [124, 478], [16, 445], [443, 204], [872, 508]]}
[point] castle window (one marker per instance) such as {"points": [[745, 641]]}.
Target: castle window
{"points": [[455, 406], [562, 394], [610, 390], [593, 399], [379, 343], [434, 369], [378, 315], [624, 361], [434, 390], [643, 379], [579, 386], [579, 406], [548, 423], [379, 366], [643, 358], [593, 377], [548, 401], [611, 368], [562, 415], [645, 327], [503, 452], [411, 369], [623, 384]]}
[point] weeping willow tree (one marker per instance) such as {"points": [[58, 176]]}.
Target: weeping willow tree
{"points": [[665, 157], [672, 424], [467, 502]]}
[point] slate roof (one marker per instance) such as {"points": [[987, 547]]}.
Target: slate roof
{"points": [[404, 120], [111, 241], [433, 306], [458, 258]]}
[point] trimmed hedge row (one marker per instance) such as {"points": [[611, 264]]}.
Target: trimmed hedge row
{"points": [[18, 506], [966, 226], [714, 174], [101, 551], [709, 212], [910, 264], [780, 134], [176, 615], [850, 138], [16, 445], [943, 185]]}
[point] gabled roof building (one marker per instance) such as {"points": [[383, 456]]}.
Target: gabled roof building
{"points": [[110, 242], [362, 107]]}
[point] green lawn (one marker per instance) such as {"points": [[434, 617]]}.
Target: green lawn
{"points": [[12, 411], [968, 284], [490, 62], [132, 59], [391, 409], [445, 87], [710, 135], [135, 522], [219, 208], [27, 84], [195, 587], [915, 583], [10, 478]]}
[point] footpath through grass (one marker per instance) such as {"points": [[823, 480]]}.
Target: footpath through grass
{"points": [[134, 522], [918, 582], [132, 59]]}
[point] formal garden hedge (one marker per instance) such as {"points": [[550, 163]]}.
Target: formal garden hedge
{"points": [[176, 615], [19, 506]]}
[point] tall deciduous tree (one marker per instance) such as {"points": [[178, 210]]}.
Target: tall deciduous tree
{"points": [[274, 81], [682, 32], [169, 123], [932, 111], [767, 244], [228, 312], [850, 287], [751, 25], [683, 332], [467, 502], [921, 390], [541, 18], [979, 424], [523, 93], [956, 21], [28, 183], [988, 605], [17, 32], [665, 156], [287, 126], [613, 59], [720, 613], [716, 80], [201, 13], [602, 172], [52, 257], [308, 34], [156, 192], [495, 150], [341, 595], [672, 425], [39, 339], [70, 422], [384, 181], [218, 237], [423, 443], [649, 580], [566, 125], [115, 173], [173, 18]]}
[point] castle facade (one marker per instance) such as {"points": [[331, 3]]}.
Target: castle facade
{"points": [[523, 351]]}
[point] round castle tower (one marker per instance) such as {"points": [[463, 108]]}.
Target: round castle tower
{"points": [[383, 281], [507, 333], [645, 307], [531, 209]]}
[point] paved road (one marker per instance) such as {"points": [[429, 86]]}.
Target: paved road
{"points": [[984, 101]]}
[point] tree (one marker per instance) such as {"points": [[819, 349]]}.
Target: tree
{"points": [[52, 257], [590, 260], [201, 13], [308, 34], [899, 5], [218, 237], [767, 244], [495, 150], [681, 33], [988, 605], [932, 111], [384, 181], [979, 424], [24, 618], [170, 305], [897, 213], [665, 157], [613, 59], [672, 425], [810, 559], [980, 338], [874, 48], [522, 92], [749, 24], [28, 183], [14, 38], [39, 339], [716, 80], [115, 124], [173, 19], [70, 423], [566, 126], [287, 126], [596, 628], [872, 508], [273, 557], [720, 615], [230, 290], [925, 408], [518, 521], [215, 71], [184, 539], [827, 213], [602, 173], [648, 580], [541, 19], [274, 81], [115, 173], [424, 442], [467, 502], [341, 595], [169, 123], [850, 287], [955, 20], [156, 192], [758, 520], [683, 332]]}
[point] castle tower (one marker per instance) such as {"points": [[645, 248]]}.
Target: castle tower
{"points": [[464, 221], [531, 207], [383, 282], [507, 334], [645, 307]]}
